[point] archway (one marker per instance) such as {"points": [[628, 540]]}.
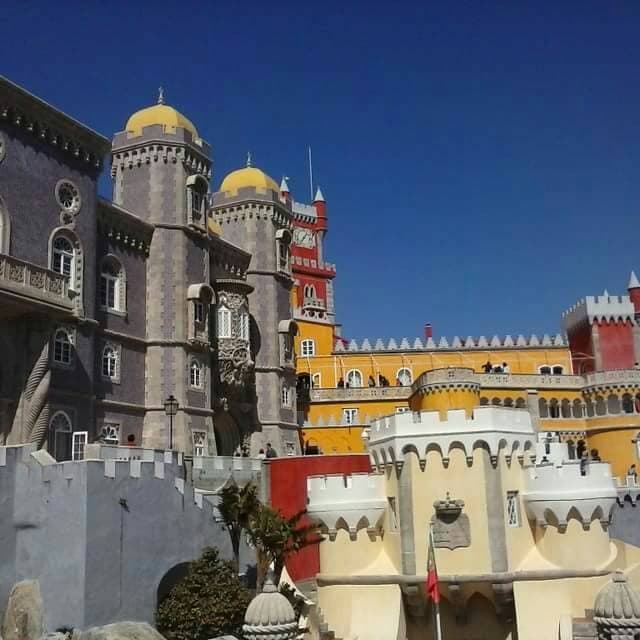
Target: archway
{"points": [[170, 579]]}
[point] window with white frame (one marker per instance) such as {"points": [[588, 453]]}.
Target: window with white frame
{"points": [[557, 370], [316, 381], [224, 322], [62, 347], [112, 285], [110, 433], [63, 258], [404, 377], [349, 416], [286, 395], [513, 509], [79, 445], [110, 362], [196, 375], [198, 311], [544, 370], [197, 187], [308, 347], [309, 291], [199, 443], [244, 324], [354, 378], [547, 370], [283, 253]]}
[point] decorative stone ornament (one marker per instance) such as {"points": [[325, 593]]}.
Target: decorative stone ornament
{"points": [[68, 197], [451, 527], [270, 615], [616, 610]]}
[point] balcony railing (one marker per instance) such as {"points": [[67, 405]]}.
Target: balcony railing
{"points": [[313, 303], [31, 283], [360, 393]]}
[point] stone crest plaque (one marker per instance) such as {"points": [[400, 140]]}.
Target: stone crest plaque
{"points": [[450, 526]]}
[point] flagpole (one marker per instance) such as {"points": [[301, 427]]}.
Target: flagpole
{"points": [[435, 601]]}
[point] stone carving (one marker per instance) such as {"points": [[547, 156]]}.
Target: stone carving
{"points": [[16, 272], [451, 527], [23, 619], [36, 279], [56, 284], [234, 361]]}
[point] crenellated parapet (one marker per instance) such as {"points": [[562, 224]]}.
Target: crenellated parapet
{"points": [[350, 502], [604, 308], [500, 430], [556, 492], [455, 344]]}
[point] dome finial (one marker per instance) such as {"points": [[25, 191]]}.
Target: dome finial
{"points": [[249, 159], [160, 95]]}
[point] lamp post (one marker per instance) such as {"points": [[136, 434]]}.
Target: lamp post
{"points": [[171, 408]]}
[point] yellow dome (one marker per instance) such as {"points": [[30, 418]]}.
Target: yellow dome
{"points": [[248, 177], [162, 114]]}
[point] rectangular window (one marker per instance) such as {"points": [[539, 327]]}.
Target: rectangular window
{"points": [[308, 348], [79, 444], [393, 513], [198, 310], [108, 292], [224, 323], [513, 509], [286, 396], [244, 326], [350, 416]]}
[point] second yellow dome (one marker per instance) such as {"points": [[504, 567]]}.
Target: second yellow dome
{"points": [[248, 177], [163, 114]]}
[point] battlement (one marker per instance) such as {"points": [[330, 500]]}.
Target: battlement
{"points": [[604, 308], [304, 212], [500, 429], [298, 261], [455, 344], [348, 502], [554, 493]]}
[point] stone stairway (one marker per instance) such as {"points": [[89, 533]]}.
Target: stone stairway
{"points": [[316, 618]]}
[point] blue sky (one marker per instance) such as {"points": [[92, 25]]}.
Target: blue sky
{"points": [[480, 160]]}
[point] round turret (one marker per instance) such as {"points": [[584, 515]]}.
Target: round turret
{"points": [[270, 615]]}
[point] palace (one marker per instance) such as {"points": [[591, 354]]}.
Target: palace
{"points": [[193, 323]]}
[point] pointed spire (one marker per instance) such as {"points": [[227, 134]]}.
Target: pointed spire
{"points": [[319, 197], [249, 159], [633, 281], [284, 187], [605, 294], [160, 95]]}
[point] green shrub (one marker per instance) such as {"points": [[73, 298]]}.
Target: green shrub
{"points": [[209, 602]]}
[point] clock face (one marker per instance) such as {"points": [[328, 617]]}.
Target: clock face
{"points": [[304, 238]]}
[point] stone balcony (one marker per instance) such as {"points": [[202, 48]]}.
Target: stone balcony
{"points": [[25, 287], [554, 491], [313, 303]]}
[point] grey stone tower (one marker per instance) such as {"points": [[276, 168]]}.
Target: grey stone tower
{"points": [[160, 171], [255, 217]]}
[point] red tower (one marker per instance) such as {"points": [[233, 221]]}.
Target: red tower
{"points": [[603, 331], [313, 276]]}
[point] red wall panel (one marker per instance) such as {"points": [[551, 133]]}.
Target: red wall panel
{"points": [[288, 479], [616, 345]]}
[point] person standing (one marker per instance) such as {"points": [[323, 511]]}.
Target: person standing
{"points": [[271, 452]]}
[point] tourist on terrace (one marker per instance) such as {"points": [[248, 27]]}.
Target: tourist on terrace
{"points": [[497, 369], [261, 454], [131, 440], [595, 455], [271, 452], [487, 367], [372, 382], [633, 473], [506, 368], [341, 383], [584, 463], [636, 365]]}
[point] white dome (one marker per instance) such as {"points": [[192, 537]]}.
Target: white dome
{"points": [[270, 615]]}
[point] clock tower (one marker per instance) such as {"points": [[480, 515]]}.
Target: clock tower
{"points": [[313, 277]]}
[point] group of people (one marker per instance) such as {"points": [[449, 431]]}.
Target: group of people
{"points": [[270, 452], [382, 382], [497, 368]]}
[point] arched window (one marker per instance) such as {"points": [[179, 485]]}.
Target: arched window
{"points": [[197, 187], [557, 369], [578, 409], [63, 258], [60, 431], [244, 324], [110, 363], [308, 347], [520, 403], [286, 395], [613, 404], [627, 403], [112, 285], [195, 375], [484, 401], [283, 241], [224, 322], [316, 381], [309, 291], [354, 378], [496, 402], [601, 406], [543, 408], [544, 370], [508, 402], [565, 408], [554, 409], [62, 347], [404, 377]]}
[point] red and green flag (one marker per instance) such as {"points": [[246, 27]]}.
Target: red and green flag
{"points": [[432, 572]]}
